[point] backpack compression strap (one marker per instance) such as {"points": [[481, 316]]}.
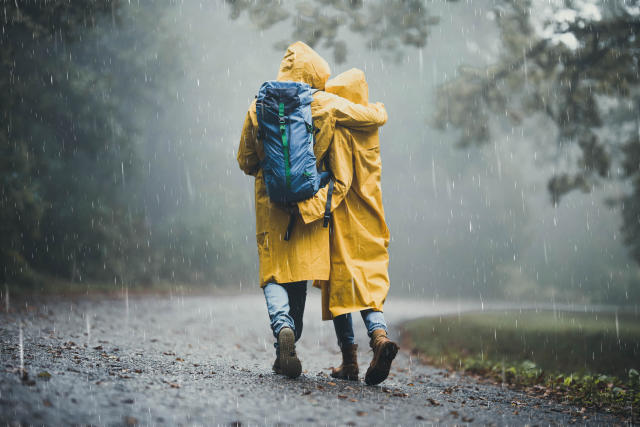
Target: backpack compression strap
{"points": [[285, 143], [327, 208], [292, 222]]}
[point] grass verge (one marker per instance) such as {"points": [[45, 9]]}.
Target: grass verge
{"points": [[587, 359]]}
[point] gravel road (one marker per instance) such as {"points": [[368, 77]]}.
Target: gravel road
{"points": [[207, 360]]}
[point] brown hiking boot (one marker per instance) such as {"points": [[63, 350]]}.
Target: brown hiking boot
{"points": [[287, 362], [349, 368], [384, 351]]}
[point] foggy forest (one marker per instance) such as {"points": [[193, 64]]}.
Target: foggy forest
{"points": [[510, 155]]}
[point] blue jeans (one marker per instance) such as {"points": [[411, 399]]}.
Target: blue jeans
{"points": [[344, 326], [285, 304]]}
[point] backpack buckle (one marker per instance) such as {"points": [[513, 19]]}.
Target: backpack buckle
{"points": [[326, 219], [283, 120]]}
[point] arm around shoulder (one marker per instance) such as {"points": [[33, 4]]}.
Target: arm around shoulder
{"points": [[356, 116]]}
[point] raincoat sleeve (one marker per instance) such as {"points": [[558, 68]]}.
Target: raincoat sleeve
{"points": [[341, 164], [356, 116], [247, 155]]}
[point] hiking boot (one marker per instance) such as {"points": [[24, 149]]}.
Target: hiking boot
{"points": [[384, 351], [349, 368], [276, 366], [288, 362]]}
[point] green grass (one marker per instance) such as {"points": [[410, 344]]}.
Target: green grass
{"points": [[592, 359], [563, 341]]}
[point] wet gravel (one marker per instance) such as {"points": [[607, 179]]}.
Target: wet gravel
{"points": [[207, 360]]}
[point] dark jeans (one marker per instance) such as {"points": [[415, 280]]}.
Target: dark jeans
{"points": [[344, 326]]}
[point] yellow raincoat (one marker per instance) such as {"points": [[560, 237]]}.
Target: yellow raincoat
{"points": [[306, 255], [359, 276]]}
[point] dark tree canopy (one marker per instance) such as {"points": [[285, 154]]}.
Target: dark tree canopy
{"points": [[43, 127], [582, 76], [389, 25], [68, 150], [81, 82]]}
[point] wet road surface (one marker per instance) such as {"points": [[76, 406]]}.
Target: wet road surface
{"points": [[207, 360]]}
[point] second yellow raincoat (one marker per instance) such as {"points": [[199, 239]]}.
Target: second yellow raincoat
{"points": [[306, 255], [359, 277]]}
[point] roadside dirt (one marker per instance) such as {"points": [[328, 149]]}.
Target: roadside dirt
{"points": [[207, 360]]}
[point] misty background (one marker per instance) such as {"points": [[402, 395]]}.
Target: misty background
{"points": [[137, 183]]}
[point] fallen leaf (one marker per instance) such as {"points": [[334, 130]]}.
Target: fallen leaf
{"points": [[331, 383], [454, 413], [361, 413], [448, 390], [44, 375], [179, 359], [342, 396], [130, 421], [467, 419]]}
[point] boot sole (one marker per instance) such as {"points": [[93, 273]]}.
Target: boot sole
{"points": [[347, 377], [376, 374], [289, 363], [350, 377]]}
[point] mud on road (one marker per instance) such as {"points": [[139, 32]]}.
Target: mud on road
{"points": [[207, 360]]}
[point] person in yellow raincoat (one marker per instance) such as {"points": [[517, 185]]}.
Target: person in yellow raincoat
{"points": [[359, 279], [285, 266]]}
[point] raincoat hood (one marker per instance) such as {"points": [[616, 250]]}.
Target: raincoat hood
{"points": [[303, 64], [350, 85]]}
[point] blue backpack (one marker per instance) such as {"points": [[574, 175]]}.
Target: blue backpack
{"points": [[285, 127]]}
